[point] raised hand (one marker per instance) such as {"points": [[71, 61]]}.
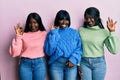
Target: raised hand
{"points": [[18, 29], [52, 27], [111, 25]]}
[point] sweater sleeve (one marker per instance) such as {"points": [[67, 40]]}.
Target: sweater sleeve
{"points": [[112, 43], [76, 55], [16, 46], [51, 42]]}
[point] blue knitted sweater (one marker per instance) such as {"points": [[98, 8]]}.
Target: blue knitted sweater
{"points": [[63, 42]]}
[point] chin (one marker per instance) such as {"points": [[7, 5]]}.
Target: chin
{"points": [[61, 27], [64, 26], [34, 30], [91, 25]]}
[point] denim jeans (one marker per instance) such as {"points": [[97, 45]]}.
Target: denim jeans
{"points": [[32, 69], [93, 68], [59, 71]]}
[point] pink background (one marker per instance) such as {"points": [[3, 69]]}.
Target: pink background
{"points": [[14, 11]]}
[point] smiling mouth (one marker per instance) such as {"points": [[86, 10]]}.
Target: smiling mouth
{"points": [[64, 25], [33, 29]]}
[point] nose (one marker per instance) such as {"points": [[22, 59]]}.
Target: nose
{"points": [[64, 21]]}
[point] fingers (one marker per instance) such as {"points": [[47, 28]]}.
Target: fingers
{"points": [[111, 21], [52, 27], [115, 22], [17, 26], [79, 72], [111, 24], [69, 64], [18, 29]]}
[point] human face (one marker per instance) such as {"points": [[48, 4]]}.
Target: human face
{"points": [[90, 20], [33, 25], [63, 23]]}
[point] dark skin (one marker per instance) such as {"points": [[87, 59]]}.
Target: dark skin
{"points": [[18, 29], [63, 24], [33, 25], [79, 72], [69, 64], [111, 25]]}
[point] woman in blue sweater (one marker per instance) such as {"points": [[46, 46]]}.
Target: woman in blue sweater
{"points": [[63, 46]]}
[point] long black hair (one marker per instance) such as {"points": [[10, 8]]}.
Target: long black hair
{"points": [[37, 18], [62, 14], [94, 13]]}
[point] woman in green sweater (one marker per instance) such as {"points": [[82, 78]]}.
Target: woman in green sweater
{"points": [[94, 36]]}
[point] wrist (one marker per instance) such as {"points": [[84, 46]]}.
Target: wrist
{"points": [[111, 30]]}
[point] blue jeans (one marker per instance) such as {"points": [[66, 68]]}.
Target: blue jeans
{"points": [[32, 69], [59, 71], [93, 68]]}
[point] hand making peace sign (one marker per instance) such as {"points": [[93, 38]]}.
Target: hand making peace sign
{"points": [[18, 29]]}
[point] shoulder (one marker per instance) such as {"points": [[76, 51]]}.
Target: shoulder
{"points": [[44, 32], [73, 30], [53, 30], [104, 31], [82, 29], [26, 34]]}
